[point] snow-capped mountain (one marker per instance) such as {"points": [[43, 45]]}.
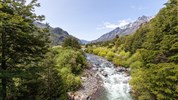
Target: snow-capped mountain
{"points": [[124, 30]]}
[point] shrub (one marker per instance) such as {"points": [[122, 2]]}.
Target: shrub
{"points": [[89, 50], [110, 55], [102, 53], [70, 63], [96, 51], [71, 42], [124, 55], [135, 57], [136, 64], [121, 59]]}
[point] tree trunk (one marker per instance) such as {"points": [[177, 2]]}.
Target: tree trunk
{"points": [[4, 67], [4, 83]]}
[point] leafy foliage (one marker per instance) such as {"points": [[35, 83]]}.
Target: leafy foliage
{"points": [[22, 48], [70, 64], [29, 68], [152, 54], [71, 42]]}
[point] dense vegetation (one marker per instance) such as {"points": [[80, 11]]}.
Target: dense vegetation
{"points": [[71, 42], [30, 69], [151, 53], [63, 68]]}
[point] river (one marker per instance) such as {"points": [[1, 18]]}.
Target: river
{"points": [[115, 81]]}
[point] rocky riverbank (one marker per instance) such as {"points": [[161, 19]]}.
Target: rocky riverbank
{"points": [[103, 81], [91, 85]]}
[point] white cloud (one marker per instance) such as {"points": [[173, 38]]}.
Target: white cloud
{"points": [[108, 25], [139, 7]]}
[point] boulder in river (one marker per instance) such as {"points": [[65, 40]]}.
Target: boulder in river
{"points": [[121, 69], [104, 73]]}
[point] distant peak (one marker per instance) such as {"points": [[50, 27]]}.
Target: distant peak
{"points": [[144, 17], [126, 26], [57, 28], [129, 28]]}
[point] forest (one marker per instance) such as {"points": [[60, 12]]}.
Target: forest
{"points": [[151, 53], [31, 68]]}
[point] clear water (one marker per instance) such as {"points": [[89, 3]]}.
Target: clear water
{"points": [[115, 83]]}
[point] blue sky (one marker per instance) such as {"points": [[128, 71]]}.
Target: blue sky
{"points": [[89, 19]]}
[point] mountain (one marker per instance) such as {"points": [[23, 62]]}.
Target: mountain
{"points": [[84, 41], [125, 30], [57, 35]]}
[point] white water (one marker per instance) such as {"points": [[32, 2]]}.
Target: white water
{"points": [[115, 82]]}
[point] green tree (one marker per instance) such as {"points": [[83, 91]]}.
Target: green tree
{"points": [[71, 42], [157, 77], [22, 44], [52, 85]]}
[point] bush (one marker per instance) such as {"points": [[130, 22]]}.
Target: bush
{"points": [[136, 64], [71, 42], [103, 52], [70, 64], [124, 55], [89, 50], [136, 57], [110, 55], [121, 59], [96, 51]]}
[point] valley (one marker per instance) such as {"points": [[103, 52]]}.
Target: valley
{"points": [[134, 60], [103, 81]]}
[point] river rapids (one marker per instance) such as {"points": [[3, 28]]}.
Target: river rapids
{"points": [[115, 81]]}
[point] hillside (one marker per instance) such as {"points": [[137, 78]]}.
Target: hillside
{"points": [[125, 30], [57, 35], [151, 53], [138, 61]]}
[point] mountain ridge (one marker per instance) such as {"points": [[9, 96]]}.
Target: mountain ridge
{"points": [[124, 30], [57, 34]]}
